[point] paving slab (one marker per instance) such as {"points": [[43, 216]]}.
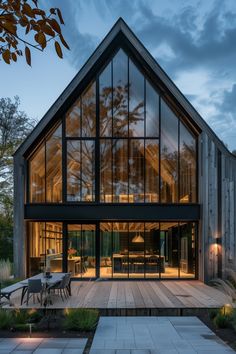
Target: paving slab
{"points": [[155, 335]]}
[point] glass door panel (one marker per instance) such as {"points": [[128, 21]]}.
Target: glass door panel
{"points": [[154, 262], [170, 249], [81, 259], [136, 249], [120, 249], [106, 250]]}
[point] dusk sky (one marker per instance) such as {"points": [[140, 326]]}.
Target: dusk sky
{"points": [[194, 42]]}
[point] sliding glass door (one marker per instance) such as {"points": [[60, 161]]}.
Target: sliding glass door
{"points": [[81, 253], [148, 250]]}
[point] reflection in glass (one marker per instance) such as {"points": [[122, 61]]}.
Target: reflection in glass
{"points": [[120, 250], [187, 155], [37, 176], [136, 249], [106, 250], [136, 101], [120, 171], [154, 262], [74, 170], [169, 155], [45, 247], [106, 171], [120, 94], [89, 111], [88, 170], [73, 120], [187, 250], [152, 111], [136, 170], [54, 166], [105, 102], [80, 170], [81, 250], [170, 235], [151, 250], [151, 171]]}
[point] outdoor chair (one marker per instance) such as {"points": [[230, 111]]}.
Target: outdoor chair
{"points": [[35, 287], [62, 286]]}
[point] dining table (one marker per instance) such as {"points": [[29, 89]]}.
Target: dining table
{"points": [[47, 281]]}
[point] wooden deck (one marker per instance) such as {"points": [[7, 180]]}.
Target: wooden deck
{"points": [[130, 295]]}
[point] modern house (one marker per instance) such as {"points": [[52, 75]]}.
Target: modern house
{"points": [[122, 178]]}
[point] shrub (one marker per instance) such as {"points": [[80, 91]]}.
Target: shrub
{"points": [[10, 281], [5, 269], [213, 313], [80, 319], [24, 327], [6, 319], [24, 317], [222, 321]]}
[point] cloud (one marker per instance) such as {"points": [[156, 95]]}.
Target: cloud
{"points": [[81, 44], [195, 45]]}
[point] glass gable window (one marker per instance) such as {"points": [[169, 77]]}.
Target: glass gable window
{"points": [[169, 155], [119, 124], [45, 170]]}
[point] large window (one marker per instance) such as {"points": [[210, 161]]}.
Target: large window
{"points": [[45, 170], [45, 247], [119, 125], [150, 250]]}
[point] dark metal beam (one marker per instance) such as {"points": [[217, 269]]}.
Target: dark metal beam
{"points": [[95, 212]]}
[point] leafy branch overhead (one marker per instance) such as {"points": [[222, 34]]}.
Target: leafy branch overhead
{"points": [[23, 25]]}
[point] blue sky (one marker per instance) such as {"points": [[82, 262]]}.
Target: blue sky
{"points": [[194, 42]]}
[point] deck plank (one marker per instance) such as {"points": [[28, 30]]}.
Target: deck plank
{"points": [[136, 295]]}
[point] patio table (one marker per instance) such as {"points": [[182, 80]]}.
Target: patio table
{"points": [[46, 281]]}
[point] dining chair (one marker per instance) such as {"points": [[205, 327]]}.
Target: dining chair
{"points": [[35, 287], [62, 286]]}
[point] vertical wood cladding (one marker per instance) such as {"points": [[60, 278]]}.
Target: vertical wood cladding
{"points": [[217, 196]]}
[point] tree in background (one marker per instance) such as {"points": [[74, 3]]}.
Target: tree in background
{"points": [[15, 125], [23, 25]]}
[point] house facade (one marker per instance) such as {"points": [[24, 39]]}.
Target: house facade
{"points": [[123, 179]]}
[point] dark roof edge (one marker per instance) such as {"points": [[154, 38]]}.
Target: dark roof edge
{"points": [[121, 26]]}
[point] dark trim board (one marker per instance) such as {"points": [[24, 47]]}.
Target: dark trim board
{"points": [[97, 212]]}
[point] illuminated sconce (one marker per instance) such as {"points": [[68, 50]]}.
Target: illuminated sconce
{"points": [[227, 310]]}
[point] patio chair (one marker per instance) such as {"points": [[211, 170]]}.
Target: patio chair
{"points": [[35, 287], [62, 286]]}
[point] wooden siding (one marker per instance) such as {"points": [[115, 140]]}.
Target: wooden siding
{"points": [[216, 191]]}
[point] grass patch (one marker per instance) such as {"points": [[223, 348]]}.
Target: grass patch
{"points": [[80, 319]]}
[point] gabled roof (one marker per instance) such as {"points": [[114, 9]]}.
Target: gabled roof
{"points": [[120, 28]]}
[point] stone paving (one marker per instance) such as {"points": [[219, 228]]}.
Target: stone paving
{"points": [[42, 345], [155, 335]]}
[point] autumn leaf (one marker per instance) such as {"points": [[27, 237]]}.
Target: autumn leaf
{"points": [[63, 41], [48, 30], [41, 39], [58, 49], [27, 10], [6, 55], [60, 16], [39, 27], [28, 56], [54, 24], [14, 56]]}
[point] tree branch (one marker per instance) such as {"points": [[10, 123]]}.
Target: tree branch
{"points": [[20, 39]]}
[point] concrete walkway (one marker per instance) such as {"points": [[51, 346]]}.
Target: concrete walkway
{"points": [[155, 335], [42, 345]]}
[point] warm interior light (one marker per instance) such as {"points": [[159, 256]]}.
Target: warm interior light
{"points": [[138, 238]]}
